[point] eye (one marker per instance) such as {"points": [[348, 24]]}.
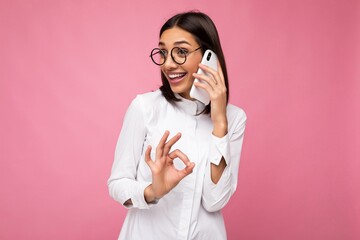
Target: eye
{"points": [[182, 52], [163, 52]]}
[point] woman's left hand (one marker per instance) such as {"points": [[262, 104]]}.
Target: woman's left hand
{"points": [[214, 84]]}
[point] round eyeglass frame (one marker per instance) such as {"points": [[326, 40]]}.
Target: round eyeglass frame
{"points": [[171, 54]]}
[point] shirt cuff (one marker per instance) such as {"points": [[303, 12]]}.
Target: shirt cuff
{"points": [[219, 148], [138, 201]]}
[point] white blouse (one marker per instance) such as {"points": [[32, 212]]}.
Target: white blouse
{"points": [[192, 210]]}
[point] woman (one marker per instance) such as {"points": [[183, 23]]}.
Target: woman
{"points": [[177, 189]]}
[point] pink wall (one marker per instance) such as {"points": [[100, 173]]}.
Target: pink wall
{"points": [[68, 70]]}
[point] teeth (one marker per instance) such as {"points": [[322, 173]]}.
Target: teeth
{"points": [[176, 75]]}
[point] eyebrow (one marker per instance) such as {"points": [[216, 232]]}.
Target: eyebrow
{"points": [[176, 43]]}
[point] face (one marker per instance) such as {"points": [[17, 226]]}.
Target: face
{"points": [[180, 76]]}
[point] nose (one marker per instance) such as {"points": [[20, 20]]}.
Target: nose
{"points": [[169, 63]]}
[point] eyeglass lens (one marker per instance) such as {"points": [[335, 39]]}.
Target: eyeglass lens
{"points": [[158, 56]]}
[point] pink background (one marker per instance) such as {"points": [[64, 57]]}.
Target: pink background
{"points": [[69, 69]]}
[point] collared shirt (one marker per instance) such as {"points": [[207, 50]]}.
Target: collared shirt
{"points": [[192, 210]]}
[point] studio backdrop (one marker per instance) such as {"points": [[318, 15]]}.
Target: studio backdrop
{"points": [[70, 68]]}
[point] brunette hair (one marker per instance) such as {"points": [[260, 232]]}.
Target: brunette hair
{"points": [[204, 31]]}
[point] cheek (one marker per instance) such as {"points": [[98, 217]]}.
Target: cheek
{"points": [[193, 67], [162, 71]]}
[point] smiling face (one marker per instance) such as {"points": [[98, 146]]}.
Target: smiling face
{"points": [[180, 76]]}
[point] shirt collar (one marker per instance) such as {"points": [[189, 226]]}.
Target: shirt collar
{"points": [[192, 107]]}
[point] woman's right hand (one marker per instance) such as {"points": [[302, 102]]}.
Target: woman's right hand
{"points": [[164, 174]]}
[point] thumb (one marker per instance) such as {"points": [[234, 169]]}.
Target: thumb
{"points": [[187, 170], [148, 159]]}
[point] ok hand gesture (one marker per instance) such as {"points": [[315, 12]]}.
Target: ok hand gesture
{"points": [[164, 174]]}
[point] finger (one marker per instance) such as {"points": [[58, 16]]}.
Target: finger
{"points": [[221, 74], [170, 143], [210, 81], [182, 156], [205, 86], [160, 146], [214, 73], [187, 170], [148, 159], [179, 154]]}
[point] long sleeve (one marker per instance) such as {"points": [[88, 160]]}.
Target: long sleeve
{"points": [[216, 196], [123, 184]]}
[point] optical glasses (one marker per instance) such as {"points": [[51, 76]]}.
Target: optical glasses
{"points": [[178, 55]]}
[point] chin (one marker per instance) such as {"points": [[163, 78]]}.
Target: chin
{"points": [[184, 92], [182, 87]]}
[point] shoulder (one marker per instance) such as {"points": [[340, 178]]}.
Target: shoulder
{"points": [[150, 98], [148, 103], [236, 116], [235, 112]]}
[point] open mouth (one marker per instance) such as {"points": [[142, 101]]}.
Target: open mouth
{"points": [[176, 77]]}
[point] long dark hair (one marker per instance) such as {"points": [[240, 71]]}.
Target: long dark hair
{"points": [[204, 31]]}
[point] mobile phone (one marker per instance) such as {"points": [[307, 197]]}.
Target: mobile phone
{"points": [[209, 59]]}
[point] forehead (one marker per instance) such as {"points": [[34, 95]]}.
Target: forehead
{"points": [[174, 36]]}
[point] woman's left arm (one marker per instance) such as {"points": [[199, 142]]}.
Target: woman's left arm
{"points": [[224, 160], [225, 148]]}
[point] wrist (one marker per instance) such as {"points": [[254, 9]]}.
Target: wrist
{"points": [[149, 194], [220, 129]]}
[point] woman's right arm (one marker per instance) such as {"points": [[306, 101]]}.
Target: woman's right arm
{"points": [[122, 184]]}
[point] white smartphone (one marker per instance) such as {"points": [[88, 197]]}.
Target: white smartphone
{"points": [[209, 59]]}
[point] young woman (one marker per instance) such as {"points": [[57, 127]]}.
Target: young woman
{"points": [[176, 160]]}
